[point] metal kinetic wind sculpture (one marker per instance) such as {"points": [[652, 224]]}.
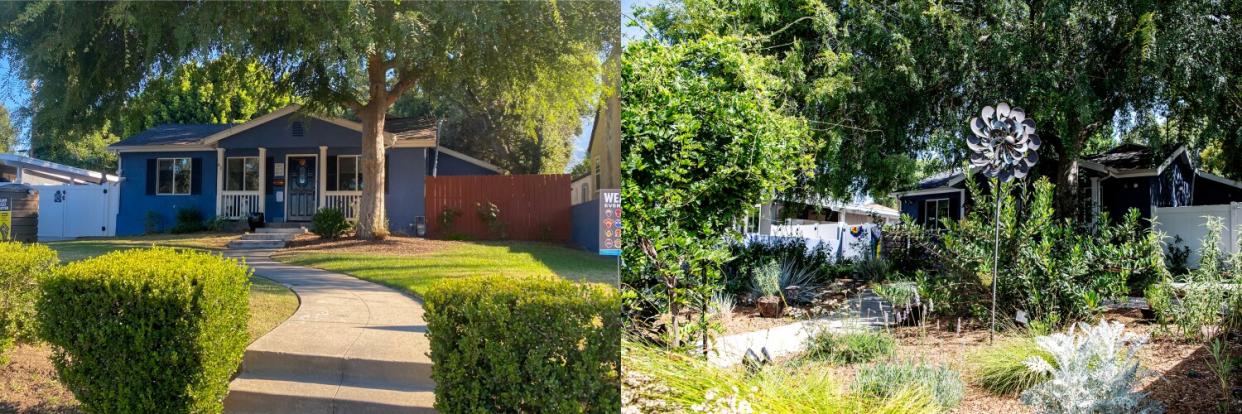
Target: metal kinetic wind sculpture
{"points": [[1004, 147]]}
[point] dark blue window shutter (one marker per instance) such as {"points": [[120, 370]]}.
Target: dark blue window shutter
{"points": [[331, 173], [196, 172], [387, 178], [271, 167], [151, 166]]}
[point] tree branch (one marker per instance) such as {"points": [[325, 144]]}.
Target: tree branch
{"points": [[405, 80]]}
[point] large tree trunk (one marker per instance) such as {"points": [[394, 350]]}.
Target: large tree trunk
{"points": [[1067, 188], [372, 219]]}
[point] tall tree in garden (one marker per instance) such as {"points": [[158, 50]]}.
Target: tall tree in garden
{"points": [[914, 70], [704, 138], [86, 59]]}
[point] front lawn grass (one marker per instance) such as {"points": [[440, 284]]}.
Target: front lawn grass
{"points": [[418, 271], [71, 250]]}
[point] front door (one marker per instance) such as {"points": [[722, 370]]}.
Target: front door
{"points": [[300, 189]]}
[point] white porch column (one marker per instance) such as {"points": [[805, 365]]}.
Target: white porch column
{"points": [[219, 181], [263, 182], [323, 177]]}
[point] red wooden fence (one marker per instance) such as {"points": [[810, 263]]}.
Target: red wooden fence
{"points": [[532, 207]]}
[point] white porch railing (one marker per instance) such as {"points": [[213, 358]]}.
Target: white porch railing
{"points": [[238, 204], [346, 201]]}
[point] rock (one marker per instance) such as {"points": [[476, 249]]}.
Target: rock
{"points": [[770, 306]]}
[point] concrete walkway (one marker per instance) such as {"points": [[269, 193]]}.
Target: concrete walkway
{"points": [[352, 346], [864, 311]]}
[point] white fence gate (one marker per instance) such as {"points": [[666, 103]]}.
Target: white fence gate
{"points": [[1190, 223], [67, 211]]}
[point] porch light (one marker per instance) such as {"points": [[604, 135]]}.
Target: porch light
{"points": [[1004, 146]]}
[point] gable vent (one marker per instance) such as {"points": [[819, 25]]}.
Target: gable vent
{"points": [[298, 130]]}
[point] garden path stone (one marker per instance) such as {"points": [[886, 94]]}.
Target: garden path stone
{"points": [[864, 311], [352, 346]]}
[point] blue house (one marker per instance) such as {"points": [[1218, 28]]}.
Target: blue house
{"points": [[1114, 181], [286, 165]]}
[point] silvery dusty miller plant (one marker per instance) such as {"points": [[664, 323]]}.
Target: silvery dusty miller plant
{"points": [[1094, 372]]}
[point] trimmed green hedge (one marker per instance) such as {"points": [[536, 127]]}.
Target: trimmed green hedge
{"points": [[22, 266], [147, 330], [528, 344]]}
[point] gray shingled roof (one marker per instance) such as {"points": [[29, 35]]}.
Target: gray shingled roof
{"points": [[174, 134], [409, 128], [939, 179], [1129, 157]]}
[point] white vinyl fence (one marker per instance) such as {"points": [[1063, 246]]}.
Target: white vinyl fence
{"points": [[67, 211], [844, 242], [1190, 223]]}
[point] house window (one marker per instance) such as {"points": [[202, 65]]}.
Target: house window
{"points": [[935, 210], [348, 173], [241, 174], [172, 176]]}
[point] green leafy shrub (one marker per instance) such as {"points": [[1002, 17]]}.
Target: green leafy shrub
{"points": [[850, 347], [503, 344], [189, 220], [330, 223], [22, 266], [887, 379], [1001, 368], [147, 330], [874, 269], [489, 214]]}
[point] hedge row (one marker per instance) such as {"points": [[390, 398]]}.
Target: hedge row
{"points": [[22, 267], [525, 345], [147, 330]]}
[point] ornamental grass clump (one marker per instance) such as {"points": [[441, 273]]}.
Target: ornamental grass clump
{"points": [[686, 384], [1091, 371], [147, 330], [850, 347], [1001, 368], [22, 266], [889, 379]]}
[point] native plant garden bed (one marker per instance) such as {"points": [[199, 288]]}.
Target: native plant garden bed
{"points": [[829, 299]]}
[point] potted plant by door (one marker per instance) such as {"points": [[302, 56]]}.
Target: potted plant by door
{"points": [[766, 284]]}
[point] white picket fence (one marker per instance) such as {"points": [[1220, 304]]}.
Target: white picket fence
{"points": [[1190, 223]]}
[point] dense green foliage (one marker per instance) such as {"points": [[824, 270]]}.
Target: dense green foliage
{"points": [[330, 223], [1001, 368], [22, 267], [793, 252], [682, 383], [887, 379], [704, 139], [189, 220], [1053, 269], [541, 60], [147, 330], [916, 71], [525, 344], [1193, 312], [850, 347], [8, 134]]}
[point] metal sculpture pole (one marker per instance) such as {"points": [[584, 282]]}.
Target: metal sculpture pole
{"points": [[1004, 146]]}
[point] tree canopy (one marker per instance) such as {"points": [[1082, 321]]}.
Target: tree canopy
{"points": [[888, 85], [8, 134], [86, 59]]}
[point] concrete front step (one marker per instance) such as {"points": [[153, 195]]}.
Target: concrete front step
{"points": [[268, 236], [407, 373], [256, 244], [282, 230], [250, 394]]}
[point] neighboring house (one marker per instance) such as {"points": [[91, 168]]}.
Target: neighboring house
{"points": [[778, 217], [73, 202], [1124, 177], [285, 164], [604, 151], [580, 189], [33, 171]]}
